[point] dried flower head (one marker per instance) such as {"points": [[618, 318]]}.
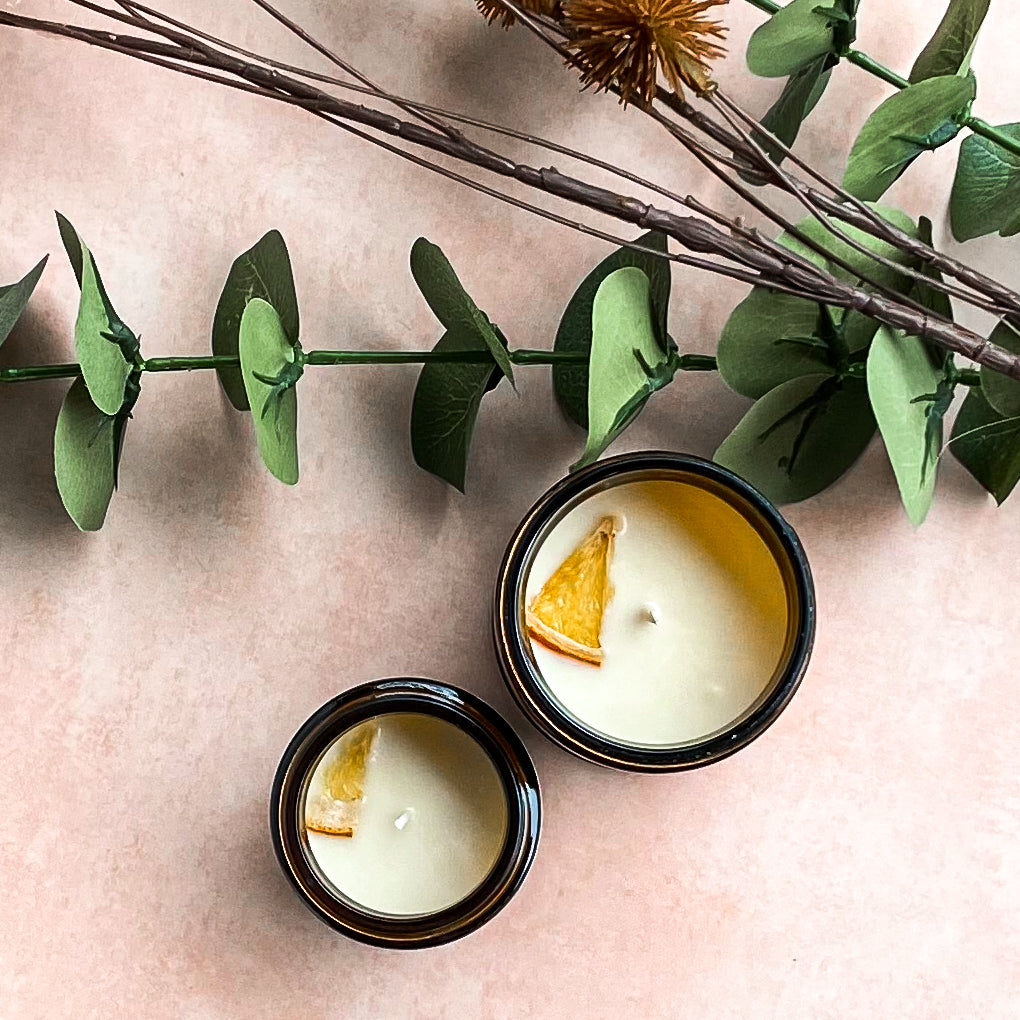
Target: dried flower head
{"points": [[493, 10], [626, 42]]}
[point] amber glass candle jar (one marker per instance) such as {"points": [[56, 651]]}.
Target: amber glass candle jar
{"points": [[405, 813], [708, 625]]}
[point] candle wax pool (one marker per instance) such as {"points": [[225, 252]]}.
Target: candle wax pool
{"points": [[696, 624], [431, 823]]}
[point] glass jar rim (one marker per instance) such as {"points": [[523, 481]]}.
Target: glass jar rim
{"points": [[508, 755], [521, 674]]}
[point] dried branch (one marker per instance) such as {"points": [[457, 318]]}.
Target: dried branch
{"points": [[185, 53], [791, 186], [998, 299]]}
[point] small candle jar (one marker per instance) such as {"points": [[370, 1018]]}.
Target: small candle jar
{"points": [[708, 625], [405, 813]]}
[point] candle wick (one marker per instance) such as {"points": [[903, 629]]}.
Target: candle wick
{"points": [[650, 613]]}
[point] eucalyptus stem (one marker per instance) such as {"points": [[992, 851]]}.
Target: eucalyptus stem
{"points": [[697, 363], [28, 373], [184, 364], [873, 67], [522, 356], [765, 5]]}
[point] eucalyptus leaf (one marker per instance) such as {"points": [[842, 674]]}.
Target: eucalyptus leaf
{"points": [[103, 365], [86, 449], [800, 437], [920, 118], [861, 265], [948, 50], [451, 303], [986, 189], [793, 37], [910, 397], [267, 355], [627, 360], [14, 298], [771, 338], [570, 382], [445, 407], [764, 343], [76, 252], [105, 346], [1000, 391], [72, 244], [263, 271], [987, 445], [799, 97]]}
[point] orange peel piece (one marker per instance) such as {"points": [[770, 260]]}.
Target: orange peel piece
{"points": [[566, 615], [337, 787]]}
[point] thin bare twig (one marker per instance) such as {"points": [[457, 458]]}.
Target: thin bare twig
{"points": [[759, 159], [688, 201], [694, 234], [844, 207], [722, 105], [858, 214], [686, 260], [345, 66], [791, 188]]}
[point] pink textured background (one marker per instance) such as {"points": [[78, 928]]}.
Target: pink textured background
{"points": [[860, 860]]}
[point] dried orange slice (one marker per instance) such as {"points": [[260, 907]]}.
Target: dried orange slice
{"points": [[337, 786], [567, 613]]}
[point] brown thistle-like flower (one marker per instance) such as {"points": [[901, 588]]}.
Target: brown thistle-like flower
{"points": [[493, 10], [626, 42]]}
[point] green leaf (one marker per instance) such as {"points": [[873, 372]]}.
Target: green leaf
{"points": [[948, 50], [263, 271], [861, 264], [921, 117], [106, 347], [1000, 391], [76, 252], [987, 445], [445, 407], [72, 244], [986, 189], [799, 97], [98, 333], [86, 449], [790, 40], [627, 361], [800, 437], [14, 298], [450, 302], [570, 382], [910, 397], [760, 346], [103, 365], [766, 340], [268, 354]]}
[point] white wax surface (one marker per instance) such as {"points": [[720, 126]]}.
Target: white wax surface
{"points": [[688, 560], [432, 823]]}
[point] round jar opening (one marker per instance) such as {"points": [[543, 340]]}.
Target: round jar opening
{"points": [[404, 814], [654, 612]]}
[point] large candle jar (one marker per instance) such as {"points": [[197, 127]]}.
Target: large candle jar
{"points": [[653, 612], [405, 813]]}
